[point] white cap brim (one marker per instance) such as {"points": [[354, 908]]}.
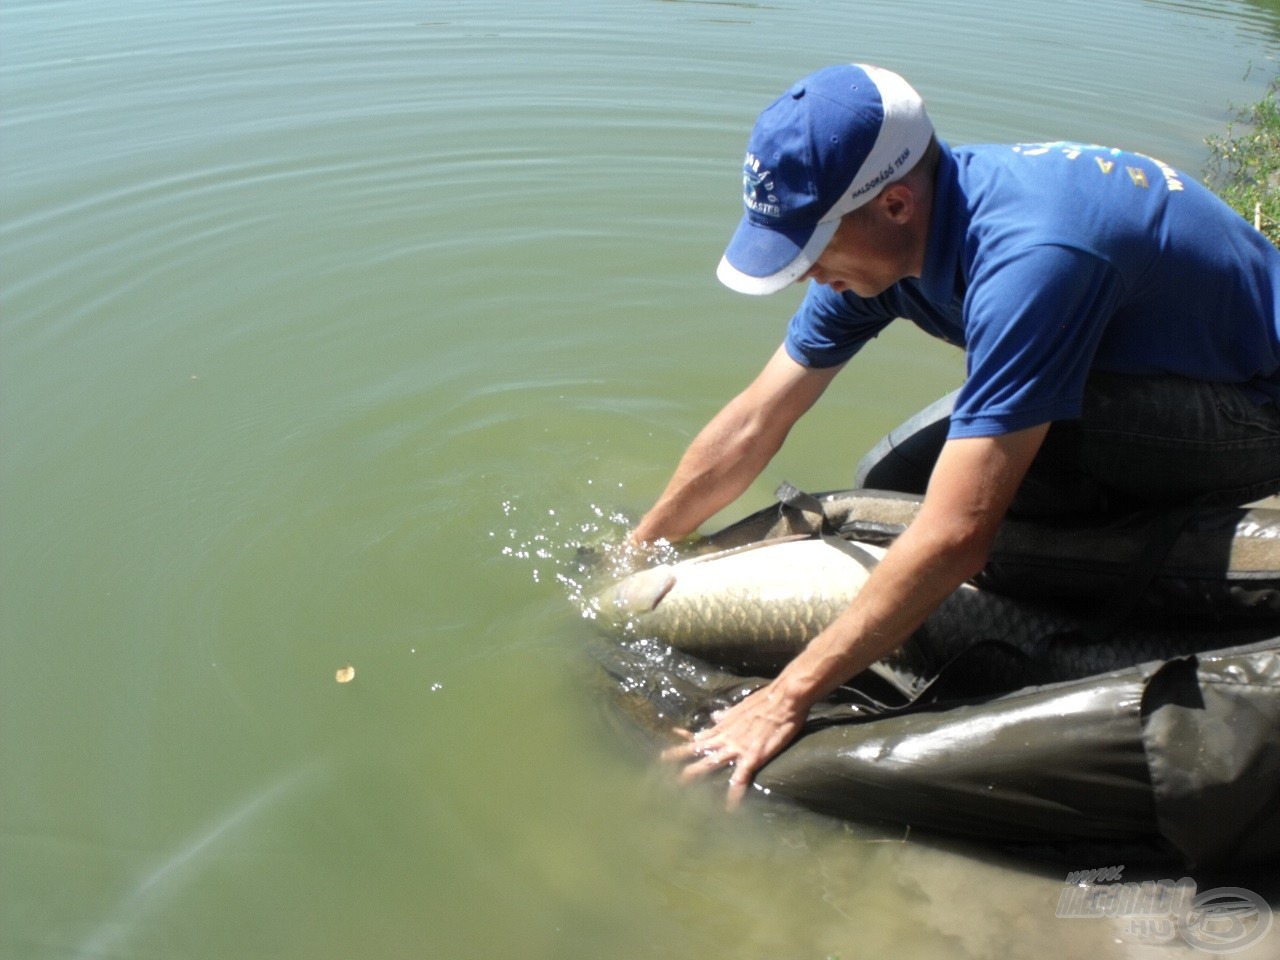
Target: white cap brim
{"points": [[736, 280]]}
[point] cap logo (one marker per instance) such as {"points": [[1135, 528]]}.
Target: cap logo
{"points": [[757, 189]]}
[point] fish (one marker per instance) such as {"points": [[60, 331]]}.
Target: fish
{"points": [[752, 608], [749, 607]]}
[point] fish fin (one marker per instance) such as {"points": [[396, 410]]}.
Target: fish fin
{"points": [[803, 511], [866, 555]]}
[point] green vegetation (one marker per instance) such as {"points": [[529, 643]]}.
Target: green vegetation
{"points": [[1244, 168]]}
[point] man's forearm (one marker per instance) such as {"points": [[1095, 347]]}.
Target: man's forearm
{"points": [[921, 569], [732, 450], [719, 465], [969, 492]]}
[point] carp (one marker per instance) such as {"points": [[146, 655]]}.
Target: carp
{"points": [[755, 607]]}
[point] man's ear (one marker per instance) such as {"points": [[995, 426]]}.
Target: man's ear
{"points": [[897, 202]]}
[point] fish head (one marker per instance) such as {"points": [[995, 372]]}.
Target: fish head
{"points": [[636, 595]]}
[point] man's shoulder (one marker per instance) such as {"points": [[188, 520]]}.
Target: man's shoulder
{"points": [[1075, 172], [1094, 198]]}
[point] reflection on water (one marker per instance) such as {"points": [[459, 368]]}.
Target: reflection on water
{"points": [[157, 888], [296, 298]]}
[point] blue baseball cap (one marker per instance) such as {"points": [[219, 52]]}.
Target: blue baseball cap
{"points": [[824, 148]]}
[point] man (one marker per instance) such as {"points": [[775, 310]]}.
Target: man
{"points": [[1122, 336]]}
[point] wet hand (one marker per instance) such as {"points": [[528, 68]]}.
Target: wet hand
{"points": [[744, 737]]}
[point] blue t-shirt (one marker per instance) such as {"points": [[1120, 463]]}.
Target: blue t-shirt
{"points": [[1046, 261]]}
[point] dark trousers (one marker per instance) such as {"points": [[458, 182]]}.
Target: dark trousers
{"points": [[1141, 443]]}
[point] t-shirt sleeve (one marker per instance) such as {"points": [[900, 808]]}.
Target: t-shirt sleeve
{"points": [[830, 327], [1033, 323]]}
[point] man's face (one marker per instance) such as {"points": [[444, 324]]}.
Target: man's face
{"points": [[867, 255]]}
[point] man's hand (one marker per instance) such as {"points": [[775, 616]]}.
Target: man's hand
{"points": [[745, 737]]}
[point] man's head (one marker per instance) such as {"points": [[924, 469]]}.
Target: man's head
{"points": [[824, 149]]}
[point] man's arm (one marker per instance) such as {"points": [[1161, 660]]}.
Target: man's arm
{"points": [[969, 492], [731, 451]]}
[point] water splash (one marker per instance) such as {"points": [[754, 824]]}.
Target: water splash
{"points": [[581, 549]]}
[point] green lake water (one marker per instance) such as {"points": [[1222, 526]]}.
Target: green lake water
{"points": [[325, 329]]}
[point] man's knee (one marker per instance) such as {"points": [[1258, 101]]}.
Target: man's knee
{"points": [[1163, 440]]}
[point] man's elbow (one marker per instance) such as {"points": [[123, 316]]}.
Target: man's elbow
{"points": [[756, 435], [965, 547], [972, 559]]}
